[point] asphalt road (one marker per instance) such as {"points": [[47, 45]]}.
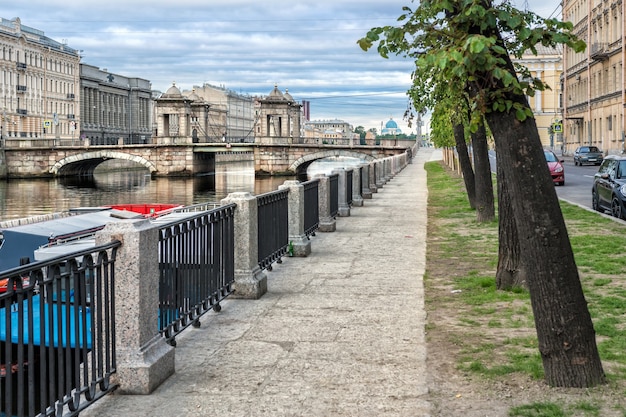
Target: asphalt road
{"points": [[578, 181]]}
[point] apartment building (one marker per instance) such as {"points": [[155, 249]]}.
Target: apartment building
{"points": [[593, 80], [39, 84]]}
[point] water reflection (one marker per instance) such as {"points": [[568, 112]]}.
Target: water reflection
{"points": [[326, 165], [29, 197]]}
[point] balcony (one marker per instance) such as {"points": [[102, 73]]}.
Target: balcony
{"points": [[70, 95], [22, 112], [21, 88], [71, 117], [599, 51], [21, 66]]}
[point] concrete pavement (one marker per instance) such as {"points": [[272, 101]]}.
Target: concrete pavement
{"points": [[339, 333]]}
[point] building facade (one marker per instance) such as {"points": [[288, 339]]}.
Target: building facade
{"points": [[39, 85], [238, 109], [114, 109], [331, 131], [547, 66], [593, 81]]}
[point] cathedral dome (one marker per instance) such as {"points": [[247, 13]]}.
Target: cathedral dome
{"points": [[391, 124], [391, 128]]}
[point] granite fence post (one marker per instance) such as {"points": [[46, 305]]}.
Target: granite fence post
{"points": [[297, 238], [344, 208], [250, 280], [372, 177], [366, 191], [326, 222], [144, 359], [380, 181], [357, 199]]}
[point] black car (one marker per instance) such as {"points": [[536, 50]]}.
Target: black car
{"points": [[609, 186], [587, 155]]}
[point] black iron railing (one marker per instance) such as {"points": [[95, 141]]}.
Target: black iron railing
{"points": [[311, 207], [57, 333], [273, 221], [349, 187], [196, 263], [333, 183]]}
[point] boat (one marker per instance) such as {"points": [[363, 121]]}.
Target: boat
{"points": [[19, 243]]}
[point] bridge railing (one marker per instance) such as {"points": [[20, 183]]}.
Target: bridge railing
{"points": [[196, 264], [57, 331]]}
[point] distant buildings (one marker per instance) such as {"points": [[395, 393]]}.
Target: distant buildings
{"points": [[330, 131]]}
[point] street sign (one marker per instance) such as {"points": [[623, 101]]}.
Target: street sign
{"points": [[47, 123], [557, 127]]}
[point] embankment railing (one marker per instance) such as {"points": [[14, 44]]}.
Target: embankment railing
{"points": [[196, 266], [57, 331]]}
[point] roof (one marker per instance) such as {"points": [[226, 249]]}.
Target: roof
{"points": [[21, 241]]}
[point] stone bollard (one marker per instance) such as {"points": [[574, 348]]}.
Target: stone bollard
{"points": [[250, 280], [357, 200], [366, 192], [326, 222], [372, 177], [344, 208], [144, 359], [297, 238], [379, 174]]}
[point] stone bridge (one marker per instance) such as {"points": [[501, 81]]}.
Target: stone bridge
{"points": [[23, 160]]}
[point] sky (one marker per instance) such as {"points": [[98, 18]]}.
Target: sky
{"points": [[306, 48]]}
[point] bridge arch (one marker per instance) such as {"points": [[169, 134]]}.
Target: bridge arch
{"points": [[85, 163], [306, 160]]}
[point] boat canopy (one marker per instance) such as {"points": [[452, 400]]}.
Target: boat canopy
{"points": [[21, 241]]}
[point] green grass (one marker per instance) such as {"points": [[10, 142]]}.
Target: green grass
{"points": [[471, 250]]}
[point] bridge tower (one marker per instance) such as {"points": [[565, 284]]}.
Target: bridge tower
{"points": [[278, 119]]}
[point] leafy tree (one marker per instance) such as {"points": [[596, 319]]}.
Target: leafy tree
{"points": [[361, 131], [467, 44]]}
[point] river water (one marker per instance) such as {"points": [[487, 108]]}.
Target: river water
{"points": [[29, 197]]}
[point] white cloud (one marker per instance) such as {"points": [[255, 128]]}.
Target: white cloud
{"points": [[248, 46]]}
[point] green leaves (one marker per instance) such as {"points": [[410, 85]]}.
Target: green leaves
{"points": [[462, 48]]}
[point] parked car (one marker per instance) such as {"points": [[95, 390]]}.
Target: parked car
{"points": [[587, 155], [556, 167], [609, 186]]}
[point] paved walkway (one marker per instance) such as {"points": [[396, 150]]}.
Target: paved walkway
{"points": [[339, 333]]}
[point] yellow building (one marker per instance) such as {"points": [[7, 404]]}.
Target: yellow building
{"points": [[39, 80], [547, 66], [593, 80]]}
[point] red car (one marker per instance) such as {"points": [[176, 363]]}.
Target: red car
{"points": [[556, 167]]}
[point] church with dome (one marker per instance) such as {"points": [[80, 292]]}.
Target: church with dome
{"points": [[391, 128]]}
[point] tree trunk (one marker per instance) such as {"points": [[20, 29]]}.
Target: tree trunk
{"points": [[465, 163], [564, 328], [510, 272], [485, 208]]}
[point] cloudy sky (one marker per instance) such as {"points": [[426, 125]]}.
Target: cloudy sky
{"points": [[308, 48]]}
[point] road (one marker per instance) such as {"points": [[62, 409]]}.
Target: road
{"points": [[578, 181]]}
